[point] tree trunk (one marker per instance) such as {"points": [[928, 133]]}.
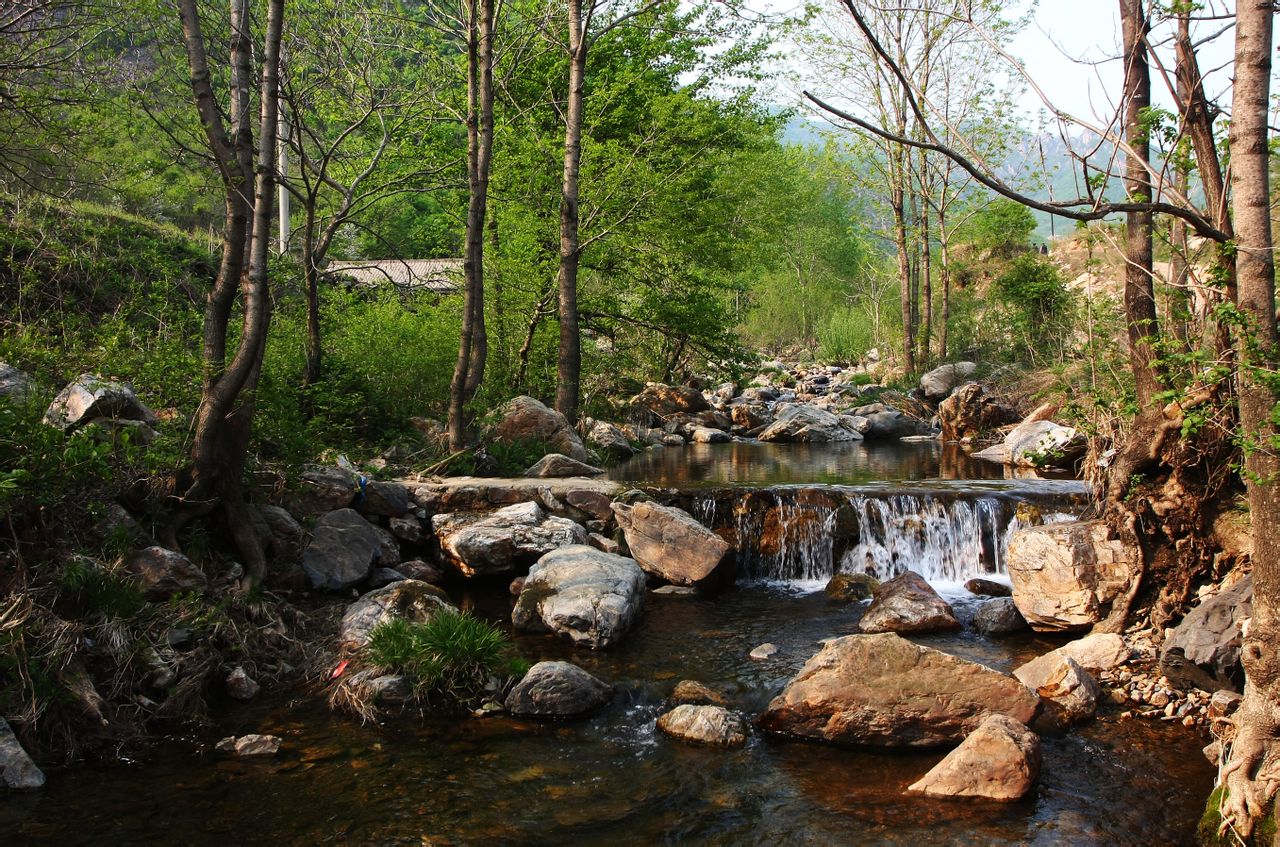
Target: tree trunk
{"points": [[926, 274], [944, 270], [311, 278], [569, 360], [904, 278], [1250, 776], [1139, 291]]}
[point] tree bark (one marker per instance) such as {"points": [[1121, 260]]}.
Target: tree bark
{"points": [[1250, 776], [569, 358], [1139, 290]]}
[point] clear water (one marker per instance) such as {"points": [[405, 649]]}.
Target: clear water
{"points": [[611, 779]]}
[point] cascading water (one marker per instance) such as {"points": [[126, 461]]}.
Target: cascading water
{"points": [[805, 535]]}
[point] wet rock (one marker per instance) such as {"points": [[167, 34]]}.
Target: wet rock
{"points": [[669, 543], [241, 686], [590, 597], [998, 616], [250, 745], [390, 690], [90, 398], [324, 489], [421, 571], [287, 535], [939, 382], [414, 601], [907, 603], [795, 422], [1066, 576], [891, 424], [162, 573], [708, 435], [714, 726], [851, 587], [884, 691], [663, 401], [1000, 760], [384, 499], [557, 690], [1204, 649], [610, 440], [1069, 691], [970, 412], [987, 587], [692, 693], [526, 419], [16, 768], [15, 386], [343, 549], [676, 591], [558, 465], [481, 545], [764, 652]]}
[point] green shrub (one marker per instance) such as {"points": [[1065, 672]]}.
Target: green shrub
{"points": [[453, 654], [101, 591], [847, 335]]}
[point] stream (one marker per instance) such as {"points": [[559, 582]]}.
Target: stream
{"points": [[612, 779]]}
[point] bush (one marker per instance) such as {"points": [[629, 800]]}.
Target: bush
{"points": [[1039, 306], [452, 655], [847, 335]]}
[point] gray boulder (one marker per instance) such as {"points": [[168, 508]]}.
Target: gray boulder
{"points": [[1037, 443], [343, 549], [384, 499], [940, 381], [480, 545], [15, 386], [713, 726], [907, 603], [323, 489], [668, 542], [162, 573], [1204, 649], [16, 768], [610, 440], [891, 423], [557, 690], [708, 435], [998, 616], [795, 422], [91, 397], [287, 535], [588, 596], [414, 601], [557, 465]]}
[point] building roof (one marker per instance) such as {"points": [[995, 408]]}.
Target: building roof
{"points": [[443, 276]]}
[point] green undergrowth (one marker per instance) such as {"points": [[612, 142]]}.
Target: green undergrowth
{"points": [[453, 655], [1263, 835]]}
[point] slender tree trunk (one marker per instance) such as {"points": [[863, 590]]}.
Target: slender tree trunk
{"points": [[904, 279], [1250, 776], [944, 270], [311, 278], [1139, 290], [569, 360], [926, 274]]}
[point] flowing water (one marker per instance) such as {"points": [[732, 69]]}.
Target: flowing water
{"points": [[612, 779]]}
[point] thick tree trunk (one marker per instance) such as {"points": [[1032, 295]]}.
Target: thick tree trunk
{"points": [[569, 359], [1139, 291], [1250, 776]]}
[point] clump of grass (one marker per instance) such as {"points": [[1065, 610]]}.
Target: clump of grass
{"points": [[453, 655], [102, 591]]}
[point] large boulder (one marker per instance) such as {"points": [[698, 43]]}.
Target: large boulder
{"points": [[496, 543], [1204, 649], [891, 423], [1101, 651], [663, 401], [907, 603], [557, 690], [91, 398], [16, 768], [1066, 576], [669, 543], [1000, 760], [525, 419], [970, 411], [1069, 690], [323, 489], [558, 466], [409, 599], [162, 573], [590, 597], [998, 616], [803, 423], [714, 726], [287, 536], [610, 440], [884, 691], [940, 381], [343, 549], [384, 499], [1037, 443]]}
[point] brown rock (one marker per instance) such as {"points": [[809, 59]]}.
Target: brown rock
{"points": [[526, 419], [884, 691], [593, 503], [970, 411], [665, 400], [689, 692], [669, 543], [714, 726], [987, 587], [560, 466], [1066, 576], [1000, 760], [162, 573], [1069, 688], [907, 603]]}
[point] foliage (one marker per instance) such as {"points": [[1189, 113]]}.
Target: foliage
{"points": [[1038, 304], [1000, 228], [451, 655]]}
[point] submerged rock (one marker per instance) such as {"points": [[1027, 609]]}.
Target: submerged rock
{"points": [[714, 726], [851, 587], [16, 768], [250, 745], [669, 543], [884, 691], [907, 603], [763, 652], [1066, 576], [998, 616], [343, 549], [1000, 760], [588, 596], [481, 545], [557, 690]]}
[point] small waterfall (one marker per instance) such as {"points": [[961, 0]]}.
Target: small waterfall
{"points": [[805, 535]]}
